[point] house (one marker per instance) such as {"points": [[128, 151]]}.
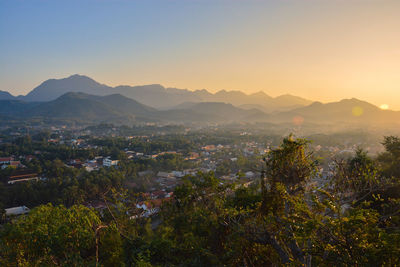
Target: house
{"points": [[13, 164], [99, 160], [151, 207], [23, 177], [193, 155], [76, 163], [6, 160], [16, 164], [107, 162], [130, 154], [91, 166], [16, 211], [209, 148]]}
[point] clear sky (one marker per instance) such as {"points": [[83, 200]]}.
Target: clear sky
{"points": [[320, 49]]}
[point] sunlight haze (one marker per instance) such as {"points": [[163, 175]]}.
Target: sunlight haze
{"points": [[320, 50]]}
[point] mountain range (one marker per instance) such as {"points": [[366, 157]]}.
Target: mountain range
{"points": [[116, 108], [350, 111], [82, 99], [156, 95]]}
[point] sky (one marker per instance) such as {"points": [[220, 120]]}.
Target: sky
{"points": [[323, 50]]}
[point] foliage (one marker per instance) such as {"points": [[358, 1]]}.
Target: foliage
{"points": [[51, 236], [288, 217]]}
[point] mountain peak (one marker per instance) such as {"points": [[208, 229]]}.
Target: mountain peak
{"points": [[355, 101], [316, 103], [78, 76], [53, 88], [156, 95], [260, 94]]}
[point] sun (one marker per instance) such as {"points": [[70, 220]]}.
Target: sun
{"points": [[384, 106]]}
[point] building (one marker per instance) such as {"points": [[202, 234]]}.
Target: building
{"points": [[6, 160], [150, 207], [107, 162], [91, 166], [23, 178], [13, 164], [16, 211]]}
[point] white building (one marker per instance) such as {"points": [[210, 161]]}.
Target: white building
{"points": [[17, 211], [250, 174], [109, 162]]}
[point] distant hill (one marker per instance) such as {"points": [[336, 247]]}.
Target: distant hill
{"points": [[6, 96], [81, 107], [15, 107], [289, 102], [54, 88], [216, 112], [116, 108], [81, 98], [157, 96], [123, 104], [345, 111]]}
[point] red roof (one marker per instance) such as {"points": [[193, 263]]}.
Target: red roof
{"points": [[21, 176]]}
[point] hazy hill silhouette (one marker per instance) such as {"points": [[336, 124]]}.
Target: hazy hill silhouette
{"points": [[81, 98], [345, 111], [54, 88], [117, 108], [6, 96], [157, 96]]}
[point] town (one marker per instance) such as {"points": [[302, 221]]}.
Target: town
{"points": [[148, 165]]}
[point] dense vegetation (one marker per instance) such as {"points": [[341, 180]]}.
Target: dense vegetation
{"points": [[289, 216]]}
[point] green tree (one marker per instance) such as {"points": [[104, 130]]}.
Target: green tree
{"points": [[51, 236]]}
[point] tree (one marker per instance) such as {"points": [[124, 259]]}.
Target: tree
{"points": [[390, 159], [287, 170], [51, 236]]}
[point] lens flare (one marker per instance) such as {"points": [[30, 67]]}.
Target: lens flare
{"points": [[298, 120], [357, 111]]}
